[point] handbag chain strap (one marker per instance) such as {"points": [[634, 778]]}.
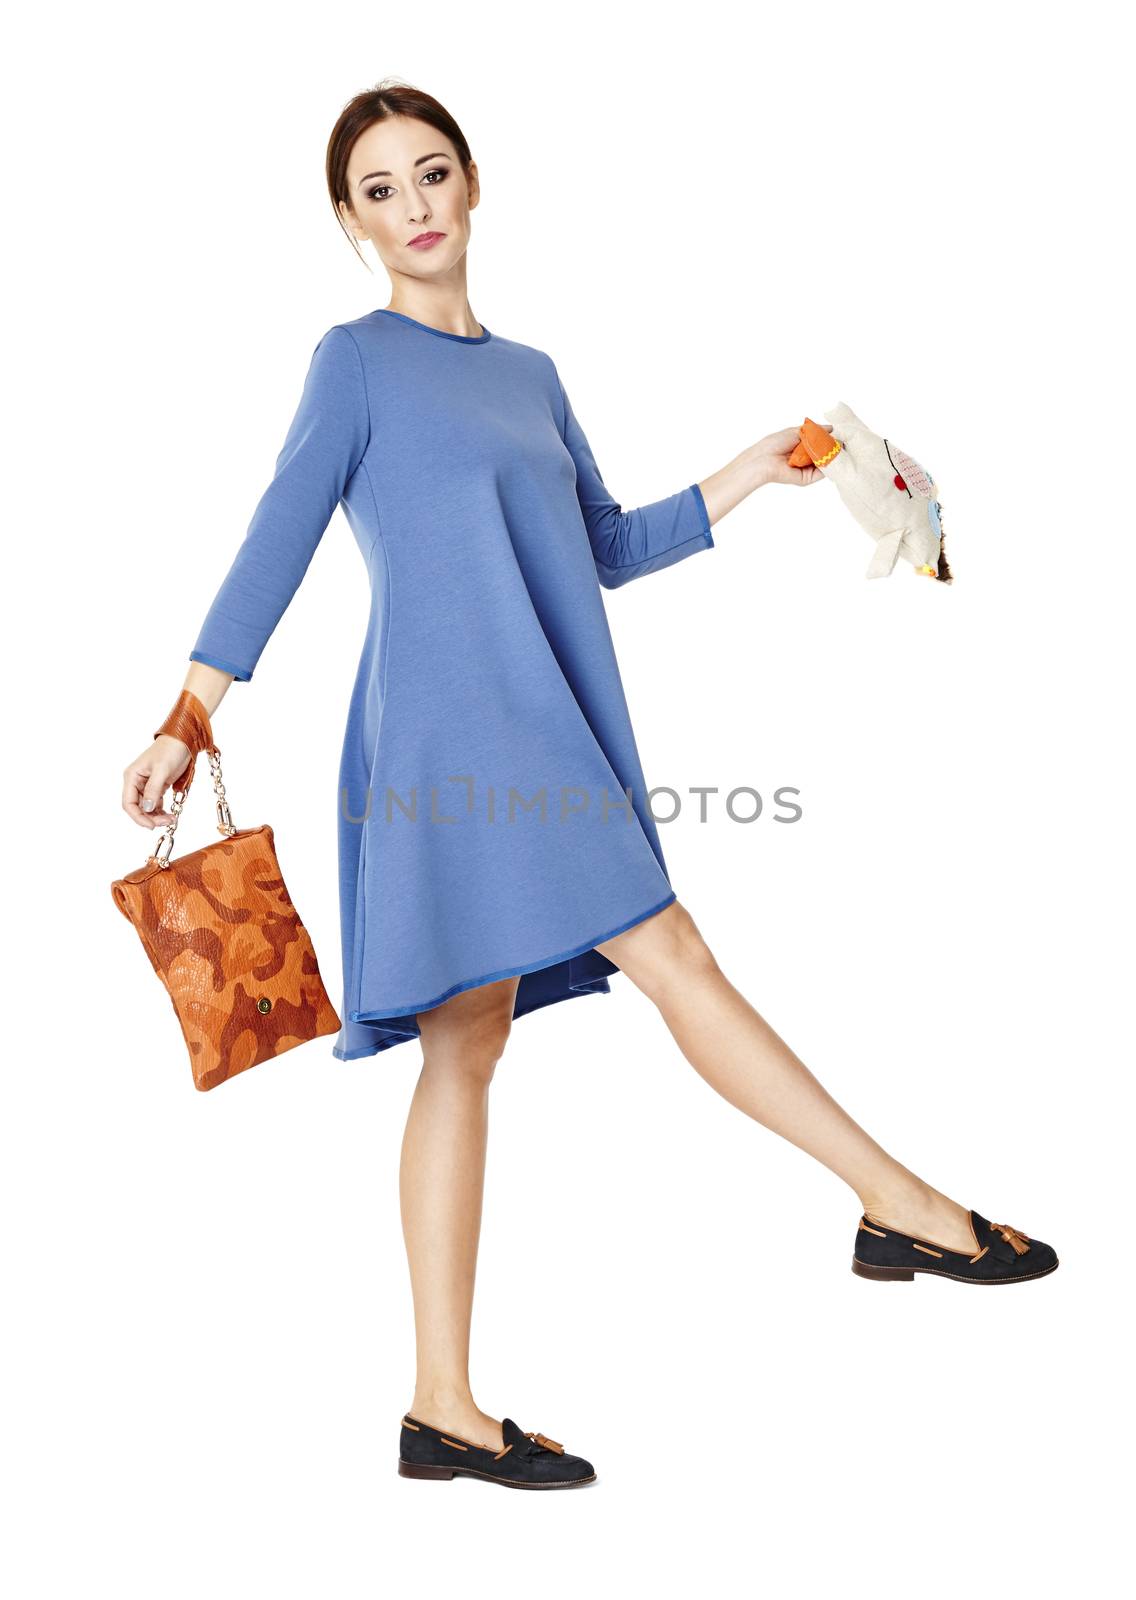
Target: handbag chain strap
{"points": [[224, 820]]}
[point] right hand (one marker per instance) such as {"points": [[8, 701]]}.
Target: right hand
{"points": [[149, 776], [773, 451]]}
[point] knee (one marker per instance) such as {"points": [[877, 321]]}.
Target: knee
{"points": [[466, 1039], [665, 949], [484, 1045]]}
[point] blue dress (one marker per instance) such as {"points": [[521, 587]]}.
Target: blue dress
{"points": [[492, 811]]}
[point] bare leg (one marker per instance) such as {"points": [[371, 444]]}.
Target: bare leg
{"points": [[730, 1045], [441, 1183]]}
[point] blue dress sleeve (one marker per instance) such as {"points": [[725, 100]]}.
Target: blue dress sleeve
{"points": [[323, 447], [629, 544]]}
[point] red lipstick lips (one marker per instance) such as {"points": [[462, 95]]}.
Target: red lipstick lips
{"points": [[424, 241]]}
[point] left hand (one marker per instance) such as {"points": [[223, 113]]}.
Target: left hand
{"points": [[772, 455]]}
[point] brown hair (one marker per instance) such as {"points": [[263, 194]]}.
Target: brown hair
{"points": [[387, 99]]}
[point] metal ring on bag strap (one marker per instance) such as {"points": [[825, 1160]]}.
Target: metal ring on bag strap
{"points": [[161, 854]]}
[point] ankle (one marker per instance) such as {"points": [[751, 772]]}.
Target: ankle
{"points": [[445, 1400], [901, 1193]]}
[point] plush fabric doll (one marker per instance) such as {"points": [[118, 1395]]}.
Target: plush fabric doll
{"points": [[891, 496]]}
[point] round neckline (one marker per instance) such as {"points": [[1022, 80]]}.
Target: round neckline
{"points": [[461, 338]]}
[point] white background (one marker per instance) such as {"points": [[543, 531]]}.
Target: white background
{"points": [[717, 220]]}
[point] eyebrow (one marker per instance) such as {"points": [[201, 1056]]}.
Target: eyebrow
{"points": [[434, 154]]}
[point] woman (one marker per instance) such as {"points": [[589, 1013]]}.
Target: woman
{"points": [[488, 692]]}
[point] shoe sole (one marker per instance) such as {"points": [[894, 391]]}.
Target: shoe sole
{"points": [[412, 1469], [907, 1274]]}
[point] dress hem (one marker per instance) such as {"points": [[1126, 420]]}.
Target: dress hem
{"points": [[372, 1049], [591, 986], [509, 972]]}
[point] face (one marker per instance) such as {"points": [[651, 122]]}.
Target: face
{"points": [[405, 180]]}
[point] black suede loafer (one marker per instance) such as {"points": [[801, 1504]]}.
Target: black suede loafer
{"points": [[527, 1461], [1001, 1255]]}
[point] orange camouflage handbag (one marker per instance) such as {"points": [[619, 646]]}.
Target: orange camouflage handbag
{"points": [[222, 933]]}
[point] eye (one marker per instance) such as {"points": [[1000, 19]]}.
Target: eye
{"points": [[441, 173]]}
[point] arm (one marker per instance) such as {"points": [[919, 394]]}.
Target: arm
{"points": [[324, 445], [629, 544]]}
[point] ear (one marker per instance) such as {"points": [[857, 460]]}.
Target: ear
{"points": [[474, 185], [351, 221], [845, 422]]}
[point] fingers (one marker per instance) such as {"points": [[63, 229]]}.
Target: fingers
{"points": [[140, 785], [153, 791], [799, 477], [146, 780]]}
